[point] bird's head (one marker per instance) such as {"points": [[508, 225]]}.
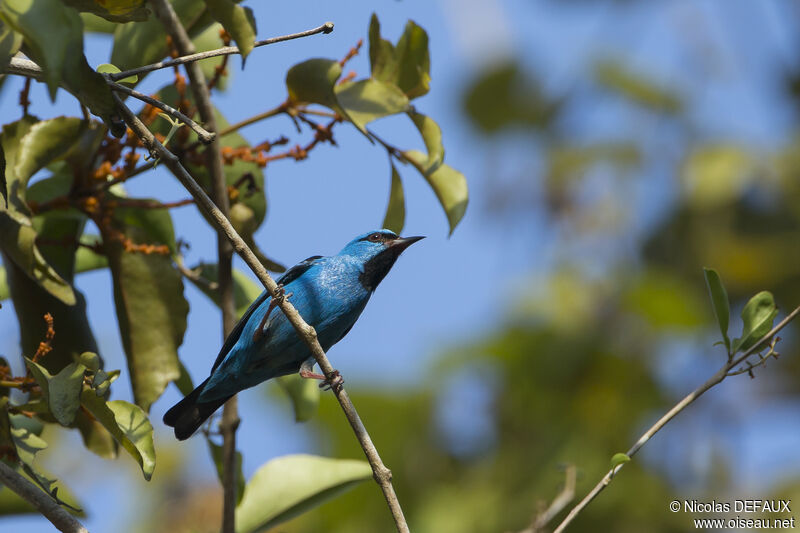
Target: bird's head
{"points": [[377, 251]]}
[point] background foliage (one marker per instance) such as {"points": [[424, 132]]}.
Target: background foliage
{"points": [[613, 150]]}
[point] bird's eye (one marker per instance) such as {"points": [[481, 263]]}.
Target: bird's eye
{"points": [[375, 237]]}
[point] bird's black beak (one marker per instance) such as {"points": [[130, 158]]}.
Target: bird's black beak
{"points": [[401, 243]]}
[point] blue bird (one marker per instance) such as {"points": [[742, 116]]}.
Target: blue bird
{"points": [[329, 293]]}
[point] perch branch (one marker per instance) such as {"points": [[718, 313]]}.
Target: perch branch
{"points": [[46, 505], [382, 475], [716, 379]]}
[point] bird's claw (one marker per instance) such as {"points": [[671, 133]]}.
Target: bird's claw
{"points": [[333, 382]]}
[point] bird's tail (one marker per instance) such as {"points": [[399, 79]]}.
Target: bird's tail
{"points": [[188, 414]]}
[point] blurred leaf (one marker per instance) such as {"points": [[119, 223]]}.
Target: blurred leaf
{"points": [[291, 485], [28, 444], [665, 300], [504, 97], [716, 174], [618, 459], [569, 162], [719, 302], [62, 391], [216, 456], [209, 39], [432, 136], [3, 183], [238, 21], [148, 293], [245, 290], [94, 24], [406, 65], [112, 10], [369, 99], [184, 382], [141, 43], [449, 185], [108, 68], [96, 438], [129, 426], [757, 317], [304, 395], [87, 260], [10, 43], [396, 210], [637, 88], [4, 293], [313, 81]]}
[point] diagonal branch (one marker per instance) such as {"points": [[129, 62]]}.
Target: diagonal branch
{"points": [[716, 379], [382, 475], [60, 518]]}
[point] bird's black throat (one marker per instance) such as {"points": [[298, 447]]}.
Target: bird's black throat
{"points": [[376, 268]]}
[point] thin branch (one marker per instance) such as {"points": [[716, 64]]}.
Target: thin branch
{"points": [[43, 502], [225, 50], [558, 504], [382, 475], [255, 118], [717, 378], [205, 136]]}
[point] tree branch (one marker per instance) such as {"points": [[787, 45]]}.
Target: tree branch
{"points": [[202, 97], [717, 378], [382, 475], [46, 505]]}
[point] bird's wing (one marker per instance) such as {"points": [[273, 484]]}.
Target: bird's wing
{"points": [[289, 276]]}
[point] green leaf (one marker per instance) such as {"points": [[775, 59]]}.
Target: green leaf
{"points": [[209, 39], [112, 10], [216, 456], [406, 65], [62, 391], [28, 444], [291, 485], [719, 302], [142, 43], [396, 210], [94, 24], [368, 100], [449, 185], [148, 294], [313, 82], [45, 142], [304, 395], [245, 290], [10, 43], [3, 183], [96, 438], [237, 20], [129, 426], [618, 459], [637, 88], [432, 136], [108, 68], [757, 317]]}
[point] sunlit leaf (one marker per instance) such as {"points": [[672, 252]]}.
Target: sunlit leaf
{"points": [[396, 210], [313, 81], [757, 317], [618, 459], [406, 65], [216, 456], [44, 143], [113, 10], [304, 395], [449, 185], [719, 302], [369, 99], [129, 426], [108, 68], [291, 485], [432, 136], [237, 20]]}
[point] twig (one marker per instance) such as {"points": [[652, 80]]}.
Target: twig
{"points": [[202, 97], [204, 136], [255, 118], [717, 378], [225, 50], [382, 475], [44, 503], [558, 504]]}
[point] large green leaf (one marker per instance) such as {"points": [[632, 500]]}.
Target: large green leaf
{"points": [[237, 20], [396, 210], [113, 10], [432, 136], [304, 395], [313, 82], [449, 185], [406, 65], [128, 424], [368, 100], [10, 43], [719, 302], [291, 485], [148, 293], [62, 391], [757, 317]]}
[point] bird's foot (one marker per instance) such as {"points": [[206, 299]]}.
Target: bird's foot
{"points": [[334, 382], [308, 374]]}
